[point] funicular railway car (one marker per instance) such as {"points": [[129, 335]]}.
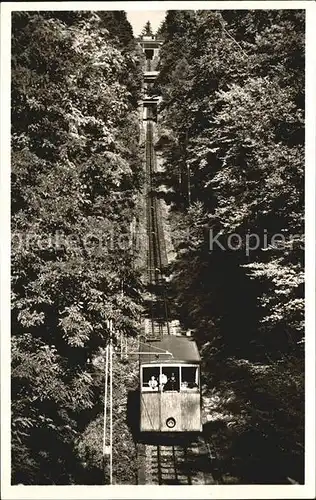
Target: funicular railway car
{"points": [[170, 395]]}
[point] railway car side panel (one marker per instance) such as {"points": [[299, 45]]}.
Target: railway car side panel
{"points": [[171, 409], [191, 412], [150, 412]]}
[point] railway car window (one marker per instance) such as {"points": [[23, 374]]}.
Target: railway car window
{"points": [[189, 378], [171, 378], [150, 378]]}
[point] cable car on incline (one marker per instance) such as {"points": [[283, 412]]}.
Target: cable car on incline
{"points": [[170, 394]]}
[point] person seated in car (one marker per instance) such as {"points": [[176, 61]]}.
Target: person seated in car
{"points": [[171, 384], [153, 384], [162, 380]]}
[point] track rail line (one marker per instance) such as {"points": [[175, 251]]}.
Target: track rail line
{"points": [[175, 463], [156, 256], [185, 462]]}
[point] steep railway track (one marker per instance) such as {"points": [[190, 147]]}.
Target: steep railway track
{"points": [[157, 258], [184, 461]]}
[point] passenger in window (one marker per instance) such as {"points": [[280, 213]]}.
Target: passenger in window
{"points": [[172, 384], [162, 380], [153, 384]]}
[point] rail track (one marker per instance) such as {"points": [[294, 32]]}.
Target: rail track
{"points": [[179, 462], [157, 258], [183, 461]]}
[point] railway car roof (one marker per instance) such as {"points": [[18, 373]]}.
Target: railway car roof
{"points": [[183, 349]]}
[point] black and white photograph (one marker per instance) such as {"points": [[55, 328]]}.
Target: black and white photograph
{"points": [[158, 310]]}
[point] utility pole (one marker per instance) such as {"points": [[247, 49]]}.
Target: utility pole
{"points": [[111, 409], [105, 450], [108, 374], [188, 168]]}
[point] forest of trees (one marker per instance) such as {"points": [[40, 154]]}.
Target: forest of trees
{"points": [[76, 180], [232, 136], [231, 132]]}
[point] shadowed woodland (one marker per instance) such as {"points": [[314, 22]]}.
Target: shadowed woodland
{"points": [[231, 137]]}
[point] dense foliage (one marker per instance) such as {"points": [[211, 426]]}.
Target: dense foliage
{"points": [[232, 134], [231, 129], [76, 178]]}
